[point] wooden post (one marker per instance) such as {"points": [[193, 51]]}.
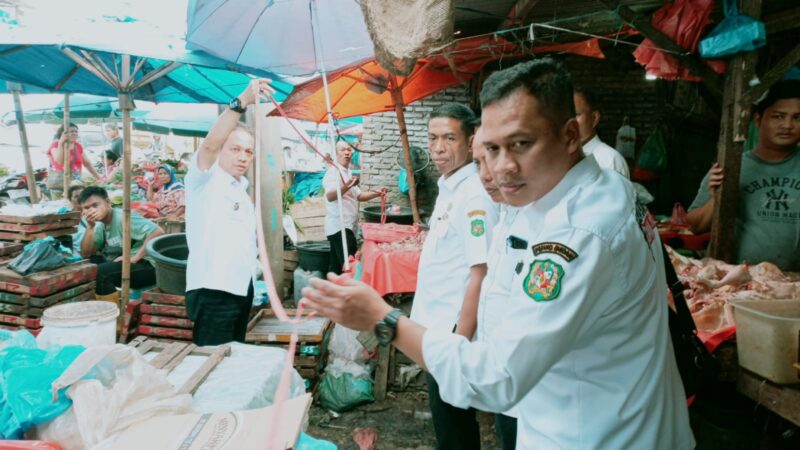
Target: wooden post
{"points": [[733, 132], [271, 160], [67, 149], [23, 139], [399, 105], [126, 104]]}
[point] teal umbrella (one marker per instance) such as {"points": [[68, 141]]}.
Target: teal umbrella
{"points": [[181, 120], [87, 107]]}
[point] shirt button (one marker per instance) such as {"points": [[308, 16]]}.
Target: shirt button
{"points": [[236, 206]]}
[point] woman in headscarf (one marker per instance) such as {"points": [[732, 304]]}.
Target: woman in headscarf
{"points": [[78, 160], [170, 196]]}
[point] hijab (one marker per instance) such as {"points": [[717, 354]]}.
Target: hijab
{"points": [[173, 184]]}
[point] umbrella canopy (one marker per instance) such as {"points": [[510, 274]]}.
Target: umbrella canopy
{"points": [[279, 35], [181, 120], [366, 88]]}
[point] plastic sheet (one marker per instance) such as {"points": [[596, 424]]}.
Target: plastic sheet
{"points": [[306, 442], [26, 374], [246, 379], [125, 390], [39, 255], [347, 382], [736, 33], [389, 272]]}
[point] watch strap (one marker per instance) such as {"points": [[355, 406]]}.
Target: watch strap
{"points": [[393, 317], [236, 105]]}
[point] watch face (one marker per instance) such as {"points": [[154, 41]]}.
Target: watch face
{"points": [[384, 333]]}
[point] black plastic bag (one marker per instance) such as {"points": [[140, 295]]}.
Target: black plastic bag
{"points": [[38, 256]]}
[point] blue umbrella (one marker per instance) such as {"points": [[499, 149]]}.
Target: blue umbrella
{"points": [[166, 119], [279, 35]]}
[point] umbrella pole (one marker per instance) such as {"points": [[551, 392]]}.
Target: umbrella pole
{"points": [[318, 49], [397, 96], [23, 139], [67, 149], [126, 104]]}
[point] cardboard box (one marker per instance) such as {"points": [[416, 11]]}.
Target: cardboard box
{"points": [[237, 430]]}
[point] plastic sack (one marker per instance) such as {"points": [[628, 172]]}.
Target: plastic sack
{"points": [[26, 399], [344, 345], [125, 390], [653, 157], [626, 140], [736, 33], [302, 278], [402, 181], [19, 338], [344, 392], [306, 442], [39, 255]]}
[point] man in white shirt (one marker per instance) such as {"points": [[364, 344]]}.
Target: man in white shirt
{"points": [[583, 348], [221, 227], [587, 108], [351, 195], [453, 260]]}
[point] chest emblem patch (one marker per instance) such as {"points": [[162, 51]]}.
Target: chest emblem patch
{"points": [[477, 227], [543, 282]]}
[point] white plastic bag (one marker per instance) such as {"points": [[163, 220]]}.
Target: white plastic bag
{"points": [[125, 390], [347, 355]]}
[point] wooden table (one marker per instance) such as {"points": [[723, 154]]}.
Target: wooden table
{"points": [[783, 400]]}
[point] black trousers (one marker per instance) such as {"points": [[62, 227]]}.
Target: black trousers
{"points": [[109, 275], [455, 428], [337, 256], [506, 428], [219, 317]]}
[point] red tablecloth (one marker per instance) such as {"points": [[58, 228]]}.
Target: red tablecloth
{"points": [[389, 272]]}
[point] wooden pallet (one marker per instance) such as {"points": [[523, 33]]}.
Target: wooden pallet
{"points": [[27, 237], [265, 328], [10, 248], [45, 283], [154, 309], [34, 332], [44, 302], [155, 295], [26, 310], [165, 321], [172, 354], [38, 227], [48, 218], [167, 333]]}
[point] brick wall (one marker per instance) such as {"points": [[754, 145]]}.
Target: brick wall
{"points": [[381, 131]]}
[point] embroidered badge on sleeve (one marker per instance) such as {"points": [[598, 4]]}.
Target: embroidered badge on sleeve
{"points": [[543, 282]]}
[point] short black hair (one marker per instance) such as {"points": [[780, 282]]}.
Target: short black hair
{"points": [[459, 112], [112, 156], [72, 189], [91, 191], [590, 96], [545, 79], [781, 90], [60, 130]]}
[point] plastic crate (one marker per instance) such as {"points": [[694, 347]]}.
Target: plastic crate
{"points": [[388, 232], [767, 334]]}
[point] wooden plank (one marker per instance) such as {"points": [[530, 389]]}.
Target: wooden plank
{"points": [[166, 321], [21, 321], [40, 219], [202, 373], [45, 283], [155, 295], [165, 356], [38, 227], [178, 359], [782, 400], [265, 327], [43, 302], [772, 76], [781, 21], [172, 333], [164, 310], [382, 373], [518, 14], [33, 236], [27, 310], [10, 248], [688, 59], [733, 129], [146, 344]]}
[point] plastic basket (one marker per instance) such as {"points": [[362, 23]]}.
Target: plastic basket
{"points": [[388, 232]]}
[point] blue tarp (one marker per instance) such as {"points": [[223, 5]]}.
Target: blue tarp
{"points": [[306, 184]]}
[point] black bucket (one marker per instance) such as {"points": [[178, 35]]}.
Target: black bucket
{"points": [[170, 253], [372, 214], [314, 255]]}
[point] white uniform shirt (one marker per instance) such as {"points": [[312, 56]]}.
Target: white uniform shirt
{"points": [[606, 156], [583, 349], [459, 236], [349, 202], [220, 231]]}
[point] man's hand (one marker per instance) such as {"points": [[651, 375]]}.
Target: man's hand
{"points": [[258, 87], [715, 178], [346, 301], [92, 217]]}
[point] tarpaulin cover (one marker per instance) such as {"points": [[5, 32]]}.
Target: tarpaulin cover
{"points": [[389, 272], [683, 21]]}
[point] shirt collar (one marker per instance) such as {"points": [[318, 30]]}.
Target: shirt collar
{"points": [[242, 183], [586, 169], [451, 183], [592, 143]]}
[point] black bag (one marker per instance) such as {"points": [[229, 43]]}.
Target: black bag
{"points": [[697, 366], [38, 256]]}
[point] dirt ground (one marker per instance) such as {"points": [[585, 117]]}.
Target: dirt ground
{"points": [[402, 420]]}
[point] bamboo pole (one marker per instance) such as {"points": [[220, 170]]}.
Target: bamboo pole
{"points": [[399, 106], [67, 149], [126, 104], [23, 139]]}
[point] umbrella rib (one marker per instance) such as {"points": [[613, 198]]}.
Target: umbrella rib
{"points": [[102, 68], [253, 27], [8, 51], [66, 78], [413, 75], [86, 65], [338, 100], [188, 32], [156, 74], [102, 64], [139, 63], [205, 77]]}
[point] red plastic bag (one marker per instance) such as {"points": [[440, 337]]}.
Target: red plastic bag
{"points": [[28, 445], [148, 210]]}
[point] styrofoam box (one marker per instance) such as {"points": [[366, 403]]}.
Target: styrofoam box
{"points": [[767, 335]]}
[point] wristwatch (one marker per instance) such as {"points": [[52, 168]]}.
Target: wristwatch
{"points": [[236, 105], [386, 328]]}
